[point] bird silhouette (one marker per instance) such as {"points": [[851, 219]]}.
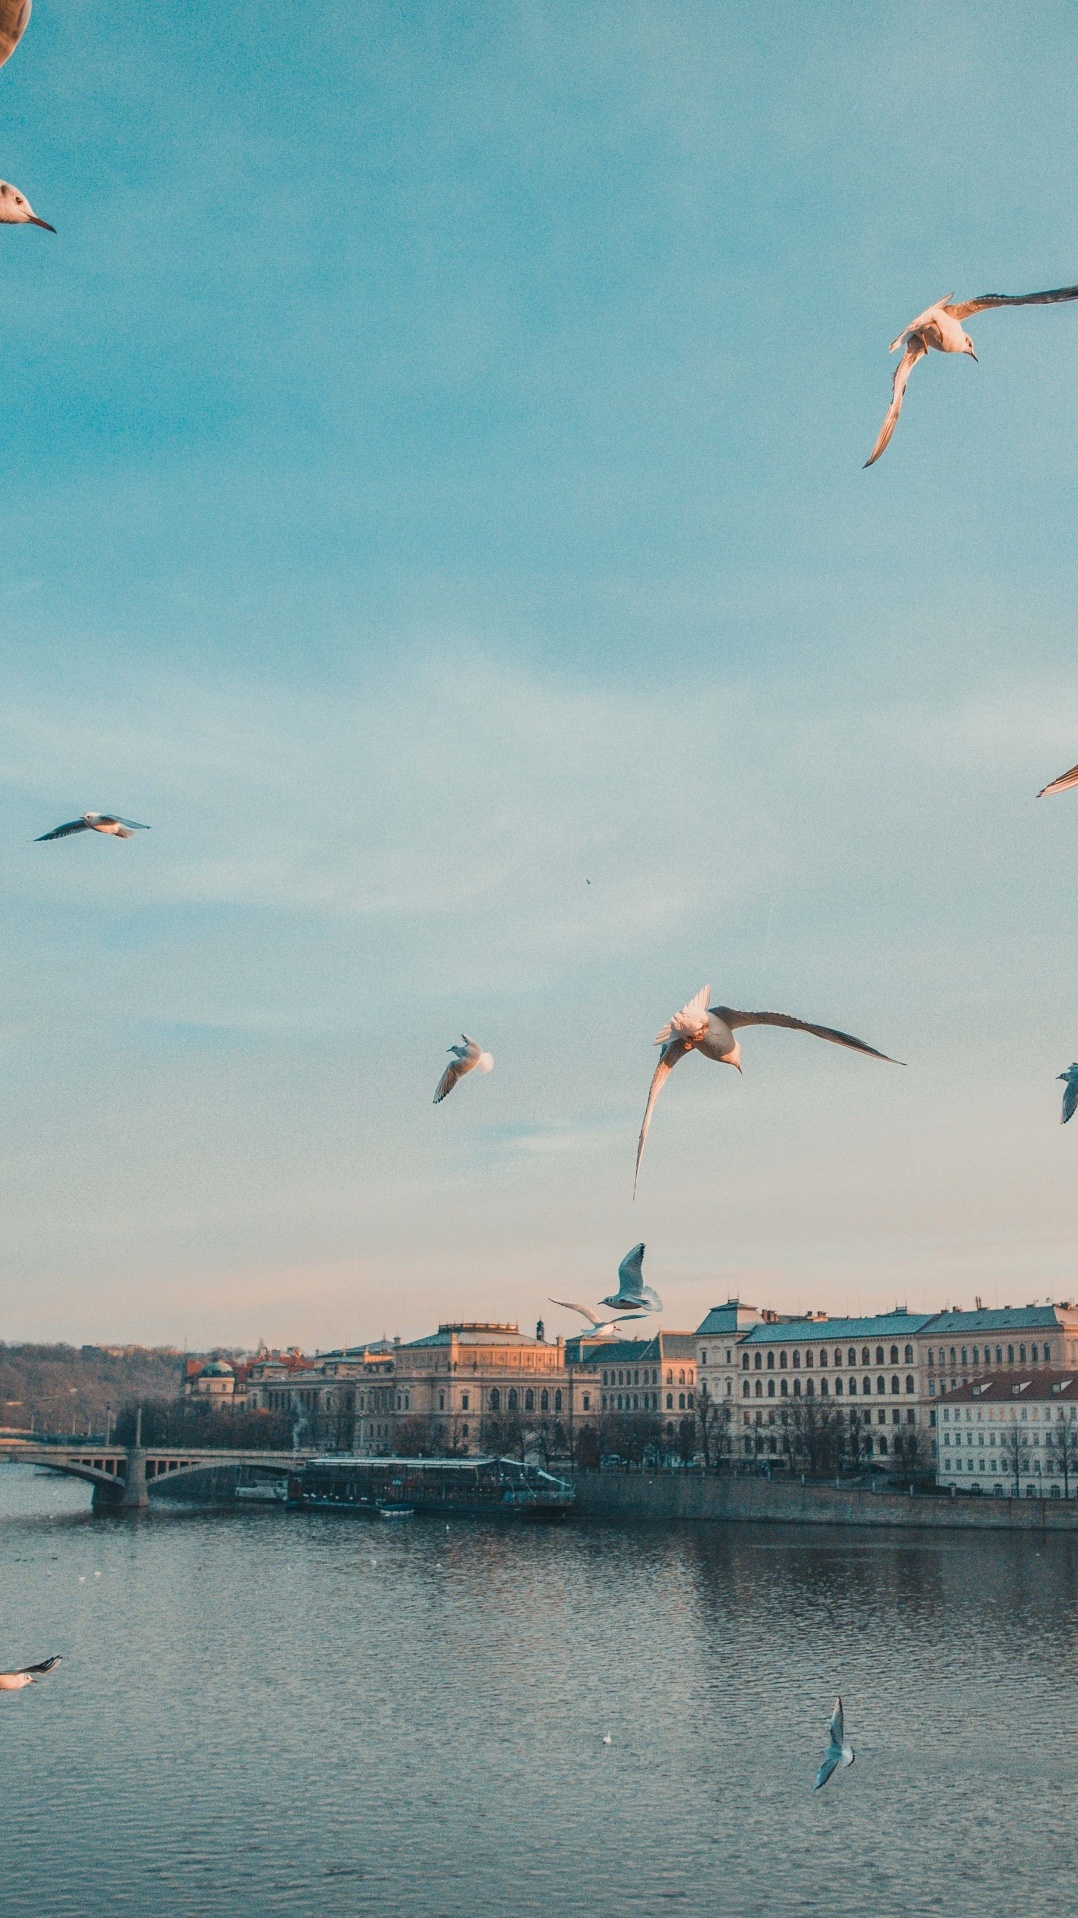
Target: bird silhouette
{"points": [[469, 1057], [105, 822]]}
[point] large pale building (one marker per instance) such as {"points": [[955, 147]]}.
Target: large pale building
{"points": [[1012, 1433]]}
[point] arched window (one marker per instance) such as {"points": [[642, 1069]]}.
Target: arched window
{"points": [[909, 1355], [1010, 1355], [681, 1401], [544, 1401], [759, 1392], [771, 1361], [931, 1355], [965, 1361], [529, 1400], [681, 1377], [976, 1357], [745, 1389], [894, 1355], [782, 1361], [759, 1363], [952, 1355], [606, 1381], [744, 1361], [808, 1358], [823, 1388], [621, 1378], [853, 1388], [809, 1387], [881, 1385], [670, 1401], [512, 1399], [557, 1400], [691, 1401], [670, 1375], [838, 1387], [1021, 1354], [894, 1384], [999, 1355], [797, 1388], [879, 1355], [909, 1382], [838, 1358], [770, 1388], [866, 1356], [785, 1388], [883, 1448], [851, 1357], [1047, 1355], [823, 1358], [496, 1398], [797, 1361], [1033, 1353]]}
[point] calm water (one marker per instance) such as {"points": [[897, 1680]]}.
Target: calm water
{"points": [[319, 1715]]}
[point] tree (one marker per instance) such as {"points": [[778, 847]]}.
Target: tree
{"points": [[856, 1441], [713, 1429], [1063, 1449], [204, 1426], [588, 1448], [1014, 1445], [911, 1450]]}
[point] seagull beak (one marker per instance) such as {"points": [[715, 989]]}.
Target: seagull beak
{"points": [[34, 221], [737, 1067], [973, 355]]}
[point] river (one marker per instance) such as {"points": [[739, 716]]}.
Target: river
{"points": [[263, 1712]]}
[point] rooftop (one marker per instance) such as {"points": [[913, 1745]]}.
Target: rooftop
{"points": [[475, 1332], [821, 1331], [656, 1350], [731, 1317], [1004, 1318], [1032, 1387]]}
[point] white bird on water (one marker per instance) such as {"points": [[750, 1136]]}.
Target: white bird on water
{"points": [[15, 208], [838, 1752], [710, 1030], [16, 1681], [1070, 1097], [938, 329], [105, 822], [469, 1057]]}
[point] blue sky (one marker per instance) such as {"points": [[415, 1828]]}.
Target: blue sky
{"points": [[433, 480]]}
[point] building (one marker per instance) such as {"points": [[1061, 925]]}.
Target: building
{"points": [[717, 1340], [656, 1375], [471, 1382], [872, 1371], [1012, 1433], [215, 1380], [965, 1345]]}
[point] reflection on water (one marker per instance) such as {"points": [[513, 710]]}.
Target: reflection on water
{"points": [[263, 1712]]}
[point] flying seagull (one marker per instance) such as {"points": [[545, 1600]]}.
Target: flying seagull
{"points": [[469, 1057], [597, 1324], [632, 1294], [15, 1681], [938, 329], [1070, 1097], [1061, 784], [838, 1752], [710, 1030], [95, 822], [15, 209]]}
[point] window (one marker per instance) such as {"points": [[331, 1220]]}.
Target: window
{"points": [[797, 1361], [544, 1401], [838, 1387], [1010, 1355], [529, 1400], [670, 1375], [496, 1398], [557, 1400], [853, 1388], [823, 1358], [881, 1385], [464, 1401], [909, 1381], [931, 1355], [587, 1401], [782, 1360], [952, 1355], [770, 1388], [894, 1355], [894, 1384], [851, 1357], [745, 1389], [785, 1388], [965, 1361], [1021, 1354], [691, 1401], [823, 1388], [759, 1392], [729, 1388], [879, 1355], [744, 1361], [808, 1358], [703, 1358], [771, 1361], [881, 1416], [865, 1355], [670, 1400], [909, 1355], [1048, 1355], [759, 1363], [999, 1355], [681, 1377], [512, 1399]]}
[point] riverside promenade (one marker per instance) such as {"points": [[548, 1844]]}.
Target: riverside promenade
{"points": [[726, 1498]]}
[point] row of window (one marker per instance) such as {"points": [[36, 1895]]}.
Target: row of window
{"points": [[1032, 1489], [1007, 1414], [784, 1387], [648, 1377], [851, 1358], [512, 1401], [754, 1447], [1034, 1359], [864, 1417], [645, 1401]]}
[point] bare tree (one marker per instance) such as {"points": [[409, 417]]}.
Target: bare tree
{"points": [[1014, 1444], [713, 1429], [910, 1448], [1063, 1450], [856, 1442]]}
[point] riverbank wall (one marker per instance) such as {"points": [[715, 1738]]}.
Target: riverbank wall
{"points": [[663, 1498]]}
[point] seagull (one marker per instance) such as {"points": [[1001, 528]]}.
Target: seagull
{"points": [[15, 209], [15, 1681], [469, 1057], [597, 1324], [608, 1740], [938, 328], [632, 1294], [711, 1031], [1070, 1097], [95, 821], [1061, 784], [838, 1752]]}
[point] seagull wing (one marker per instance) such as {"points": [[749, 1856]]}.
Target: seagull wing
{"points": [[1070, 1099], [834, 1757], [13, 17], [454, 1071], [61, 832], [631, 1274], [984, 301], [735, 1019], [915, 350], [672, 1051], [39, 1671], [584, 1310], [115, 820], [835, 1730], [1060, 785]]}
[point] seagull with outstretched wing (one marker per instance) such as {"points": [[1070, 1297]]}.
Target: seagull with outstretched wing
{"points": [[710, 1030], [838, 1752], [1070, 1097], [939, 330], [632, 1294], [1061, 784], [597, 1324], [469, 1057], [28, 1675], [105, 822], [15, 209]]}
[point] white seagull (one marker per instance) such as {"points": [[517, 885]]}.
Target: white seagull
{"points": [[710, 1030], [15, 1681], [15, 209], [469, 1057], [597, 1324], [938, 329], [1070, 1097], [106, 822], [632, 1294], [1061, 784], [838, 1752]]}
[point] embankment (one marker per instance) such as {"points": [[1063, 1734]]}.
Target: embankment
{"points": [[723, 1498]]}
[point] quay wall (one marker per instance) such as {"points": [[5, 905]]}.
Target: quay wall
{"points": [[725, 1498]]}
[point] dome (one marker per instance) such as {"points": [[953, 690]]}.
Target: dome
{"points": [[217, 1369]]}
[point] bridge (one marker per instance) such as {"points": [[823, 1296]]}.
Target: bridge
{"points": [[123, 1477]]}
